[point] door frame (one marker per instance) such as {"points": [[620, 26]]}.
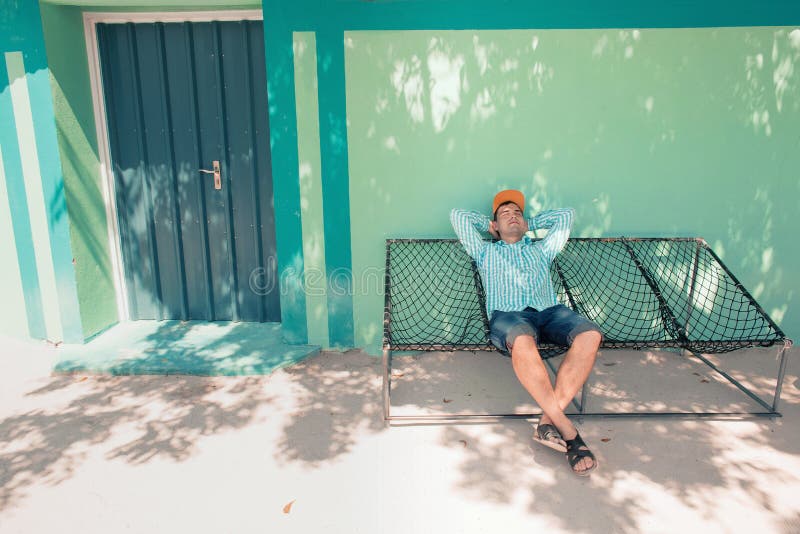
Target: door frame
{"points": [[90, 21]]}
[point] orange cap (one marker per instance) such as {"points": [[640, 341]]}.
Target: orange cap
{"points": [[509, 195]]}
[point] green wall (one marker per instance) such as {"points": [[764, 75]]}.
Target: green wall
{"points": [[77, 144], [377, 132], [415, 128], [657, 132]]}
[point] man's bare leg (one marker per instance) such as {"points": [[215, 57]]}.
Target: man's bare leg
{"points": [[574, 371]]}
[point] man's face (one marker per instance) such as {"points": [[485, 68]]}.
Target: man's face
{"points": [[510, 222]]}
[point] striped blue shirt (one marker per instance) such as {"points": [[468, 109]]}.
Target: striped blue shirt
{"points": [[516, 275]]}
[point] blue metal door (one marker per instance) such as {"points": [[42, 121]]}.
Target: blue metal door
{"points": [[186, 107]]}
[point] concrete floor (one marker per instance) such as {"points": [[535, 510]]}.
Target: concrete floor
{"points": [[305, 450], [183, 347]]}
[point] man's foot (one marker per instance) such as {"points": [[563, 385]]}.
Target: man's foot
{"points": [[549, 436], [580, 458]]}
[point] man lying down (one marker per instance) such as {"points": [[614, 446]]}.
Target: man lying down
{"points": [[523, 310]]}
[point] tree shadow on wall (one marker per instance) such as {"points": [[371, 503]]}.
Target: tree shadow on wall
{"points": [[657, 132]]}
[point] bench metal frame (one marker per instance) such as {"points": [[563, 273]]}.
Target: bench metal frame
{"points": [[770, 409]]}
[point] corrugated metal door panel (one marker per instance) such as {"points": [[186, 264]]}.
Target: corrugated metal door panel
{"points": [[212, 147], [179, 96], [159, 176], [120, 88], [180, 74], [235, 49]]}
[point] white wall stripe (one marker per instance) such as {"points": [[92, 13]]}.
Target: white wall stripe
{"points": [[311, 209], [37, 205], [13, 319]]}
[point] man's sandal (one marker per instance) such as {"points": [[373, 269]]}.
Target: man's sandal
{"points": [[576, 451], [549, 436]]}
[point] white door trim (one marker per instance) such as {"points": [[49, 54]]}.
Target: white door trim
{"points": [[90, 21]]}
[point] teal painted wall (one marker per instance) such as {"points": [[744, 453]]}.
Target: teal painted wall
{"points": [[283, 131], [657, 132], [33, 201], [335, 185]]}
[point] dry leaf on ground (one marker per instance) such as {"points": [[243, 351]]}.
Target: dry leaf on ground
{"points": [[288, 507]]}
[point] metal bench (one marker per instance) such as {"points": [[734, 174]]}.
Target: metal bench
{"points": [[643, 292]]}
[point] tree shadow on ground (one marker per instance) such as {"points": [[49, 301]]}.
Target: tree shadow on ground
{"points": [[645, 465], [326, 406], [50, 431], [337, 401], [133, 418], [140, 418]]}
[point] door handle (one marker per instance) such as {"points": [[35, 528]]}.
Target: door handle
{"points": [[216, 173]]}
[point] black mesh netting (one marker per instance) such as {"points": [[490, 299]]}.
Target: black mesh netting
{"points": [[642, 293]]}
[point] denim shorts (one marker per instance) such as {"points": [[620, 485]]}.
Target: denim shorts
{"points": [[556, 324]]}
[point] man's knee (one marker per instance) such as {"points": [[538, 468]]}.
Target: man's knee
{"points": [[521, 341], [589, 338]]}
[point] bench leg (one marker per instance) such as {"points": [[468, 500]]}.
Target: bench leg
{"points": [[735, 382], [581, 407], [387, 376], [584, 393], [787, 344]]}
